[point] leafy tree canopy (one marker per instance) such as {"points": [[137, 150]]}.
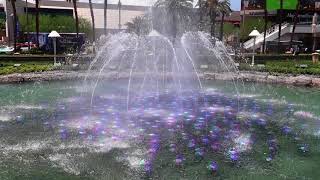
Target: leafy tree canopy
{"points": [[60, 23]]}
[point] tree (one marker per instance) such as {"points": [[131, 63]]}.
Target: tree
{"points": [[224, 8], [201, 5], [119, 9], [295, 22], [178, 10], [265, 26], [74, 2], [250, 24], [139, 25], [15, 20], [92, 21], [212, 8], [61, 23], [105, 16], [280, 22], [37, 23]]}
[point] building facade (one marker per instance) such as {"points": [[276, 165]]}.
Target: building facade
{"points": [[303, 32], [116, 19]]}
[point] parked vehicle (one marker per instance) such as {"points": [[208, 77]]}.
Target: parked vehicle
{"points": [[24, 47], [6, 50]]}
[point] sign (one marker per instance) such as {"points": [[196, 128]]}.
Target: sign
{"points": [[309, 5], [274, 5], [252, 5]]}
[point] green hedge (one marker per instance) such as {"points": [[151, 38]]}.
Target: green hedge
{"points": [[24, 68], [286, 67], [59, 23], [290, 67], [262, 58]]}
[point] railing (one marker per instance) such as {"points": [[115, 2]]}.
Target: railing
{"points": [[273, 29]]}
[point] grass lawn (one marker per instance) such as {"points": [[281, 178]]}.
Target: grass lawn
{"points": [[8, 67], [287, 67]]}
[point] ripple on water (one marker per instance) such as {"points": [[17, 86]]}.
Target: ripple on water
{"points": [[65, 162], [5, 117]]}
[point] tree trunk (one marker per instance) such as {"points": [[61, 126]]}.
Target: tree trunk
{"points": [[76, 16], [119, 8], [221, 26], [200, 15], [294, 23], [280, 24], [213, 24], [105, 16], [13, 4], [37, 23], [92, 21], [265, 27], [27, 14], [174, 26]]}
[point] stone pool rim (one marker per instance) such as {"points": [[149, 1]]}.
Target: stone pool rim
{"points": [[245, 76]]}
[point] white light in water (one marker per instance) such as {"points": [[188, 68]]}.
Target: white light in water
{"points": [[122, 131], [317, 133], [243, 142]]}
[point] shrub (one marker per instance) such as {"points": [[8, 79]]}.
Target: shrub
{"points": [[287, 67], [60, 23], [24, 68]]}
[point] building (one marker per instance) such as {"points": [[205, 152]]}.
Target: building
{"points": [[233, 18], [116, 19], [303, 32]]}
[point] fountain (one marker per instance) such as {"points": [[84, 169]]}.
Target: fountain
{"points": [[165, 108], [145, 110]]}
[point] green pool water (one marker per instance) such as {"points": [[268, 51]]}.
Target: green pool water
{"points": [[43, 134]]}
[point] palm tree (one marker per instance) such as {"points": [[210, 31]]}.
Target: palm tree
{"points": [[27, 17], [265, 26], [212, 7], [37, 23], [280, 22], [92, 21], [139, 25], [15, 20], [295, 22], [74, 2], [105, 16], [224, 8], [201, 5], [119, 9], [178, 9]]}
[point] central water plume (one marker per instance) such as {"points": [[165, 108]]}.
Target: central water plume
{"points": [[153, 60]]}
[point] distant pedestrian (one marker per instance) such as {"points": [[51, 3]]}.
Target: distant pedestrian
{"points": [[296, 51], [291, 50]]}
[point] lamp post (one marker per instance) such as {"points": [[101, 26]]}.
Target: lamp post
{"points": [[54, 35], [254, 34]]}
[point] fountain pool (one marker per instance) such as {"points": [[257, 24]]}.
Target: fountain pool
{"points": [[50, 130]]}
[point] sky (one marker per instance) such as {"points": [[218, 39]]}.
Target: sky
{"points": [[235, 4]]}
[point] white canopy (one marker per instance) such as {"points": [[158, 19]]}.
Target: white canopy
{"points": [[54, 34], [254, 33]]}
